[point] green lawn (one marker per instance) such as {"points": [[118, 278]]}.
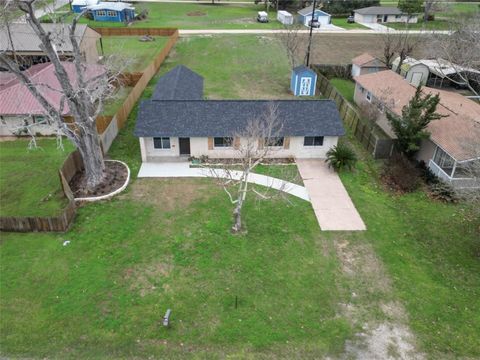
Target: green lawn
{"points": [[137, 54], [112, 105], [345, 87], [166, 244], [198, 16], [29, 182], [342, 22]]}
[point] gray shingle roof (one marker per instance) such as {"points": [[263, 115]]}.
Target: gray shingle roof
{"points": [[25, 39], [379, 10], [217, 118], [180, 83]]}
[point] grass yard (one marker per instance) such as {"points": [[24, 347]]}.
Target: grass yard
{"points": [[429, 25], [345, 87], [342, 22], [235, 66], [29, 182], [302, 293], [112, 105], [197, 16], [136, 53]]}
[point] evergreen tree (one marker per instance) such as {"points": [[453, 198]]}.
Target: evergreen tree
{"points": [[410, 128]]}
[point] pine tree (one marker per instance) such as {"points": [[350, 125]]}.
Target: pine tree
{"points": [[411, 127]]}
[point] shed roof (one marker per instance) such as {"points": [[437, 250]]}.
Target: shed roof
{"points": [[180, 83], [116, 6], [302, 68], [460, 127], [362, 59], [379, 10], [84, 2], [309, 9], [25, 39], [210, 118]]}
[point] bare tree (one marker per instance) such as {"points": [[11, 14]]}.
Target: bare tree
{"points": [[460, 50], [401, 43], [83, 96], [252, 145], [433, 5], [292, 38]]}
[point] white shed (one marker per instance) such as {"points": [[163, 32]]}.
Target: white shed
{"points": [[285, 17]]}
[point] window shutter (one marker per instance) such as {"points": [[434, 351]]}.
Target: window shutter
{"points": [[210, 143], [260, 143], [236, 143], [286, 143]]}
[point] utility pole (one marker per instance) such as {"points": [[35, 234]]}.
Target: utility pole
{"points": [[311, 32]]}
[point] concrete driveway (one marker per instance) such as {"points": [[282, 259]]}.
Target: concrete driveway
{"points": [[379, 28], [330, 201]]}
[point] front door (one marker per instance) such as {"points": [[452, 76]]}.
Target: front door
{"points": [[184, 146]]}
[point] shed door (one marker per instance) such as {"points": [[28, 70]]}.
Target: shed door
{"points": [[305, 84], [416, 78]]}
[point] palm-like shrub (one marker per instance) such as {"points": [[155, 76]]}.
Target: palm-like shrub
{"points": [[340, 157]]}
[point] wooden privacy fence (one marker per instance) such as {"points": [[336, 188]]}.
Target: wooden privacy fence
{"points": [[141, 80], [369, 134], [128, 31], [60, 222]]}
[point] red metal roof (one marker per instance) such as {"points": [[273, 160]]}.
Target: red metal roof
{"points": [[16, 99]]}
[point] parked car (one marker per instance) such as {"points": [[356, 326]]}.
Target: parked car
{"points": [[350, 19], [262, 17], [314, 24]]}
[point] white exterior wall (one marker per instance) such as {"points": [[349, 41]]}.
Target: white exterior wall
{"points": [[402, 19], [199, 147], [10, 124], [365, 18], [355, 70], [390, 18]]}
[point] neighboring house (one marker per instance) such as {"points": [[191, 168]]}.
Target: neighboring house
{"points": [[169, 128], [366, 64], [454, 139], [414, 71], [303, 81], [112, 11], [382, 14], [437, 73], [19, 107], [79, 5], [27, 45], [305, 16]]}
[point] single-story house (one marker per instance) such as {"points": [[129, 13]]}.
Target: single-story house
{"points": [[454, 139], [112, 11], [79, 5], [366, 64], [382, 14], [27, 45], [437, 73], [305, 16], [303, 81], [169, 128], [19, 107]]}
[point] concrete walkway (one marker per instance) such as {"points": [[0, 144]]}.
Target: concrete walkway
{"points": [[330, 201], [183, 169], [379, 28]]}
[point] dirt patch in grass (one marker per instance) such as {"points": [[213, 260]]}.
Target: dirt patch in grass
{"points": [[169, 194], [196, 13], [145, 279], [383, 323]]}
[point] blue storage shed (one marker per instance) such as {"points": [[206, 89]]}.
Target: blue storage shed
{"points": [[79, 5], [303, 82], [305, 16], [112, 11]]}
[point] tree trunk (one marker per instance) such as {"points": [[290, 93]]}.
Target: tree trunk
{"points": [[90, 150], [237, 218]]}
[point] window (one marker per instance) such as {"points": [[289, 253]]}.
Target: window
{"points": [[161, 143], [444, 161], [274, 141], [362, 89], [101, 13], [222, 141], [313, 141], [369, 96], [111, 13], [39, 119]]}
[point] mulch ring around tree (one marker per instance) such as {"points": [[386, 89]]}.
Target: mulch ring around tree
{"points": [[196, 13], [115, 176]]}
